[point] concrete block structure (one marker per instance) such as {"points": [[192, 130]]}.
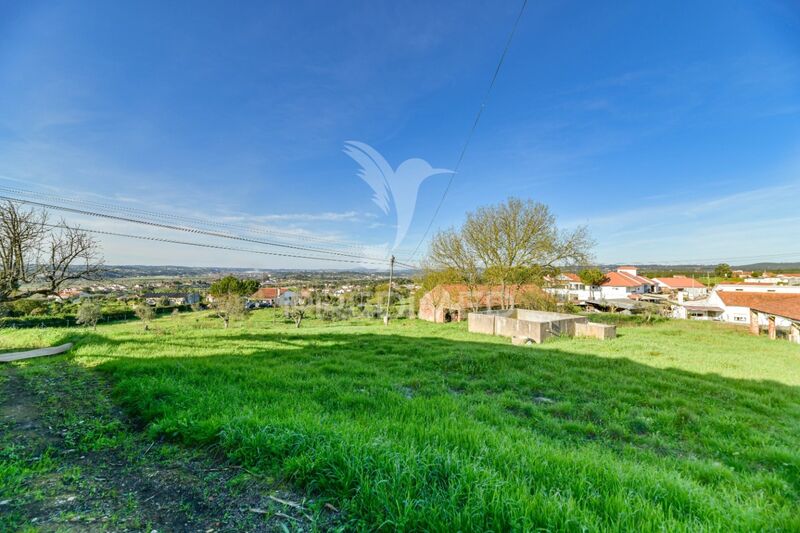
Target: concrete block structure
{"points": [[595, 330], [538, 326]]}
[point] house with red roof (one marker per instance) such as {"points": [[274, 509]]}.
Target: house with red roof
{"points": [[272, 297], [676, 285], [568, 287], [624, 282], [779, 312]]}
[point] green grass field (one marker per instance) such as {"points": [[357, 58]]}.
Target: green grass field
{"points": [[670, 427]]}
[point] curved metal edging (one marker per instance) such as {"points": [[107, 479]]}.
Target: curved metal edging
{"points": [[41, 352]]}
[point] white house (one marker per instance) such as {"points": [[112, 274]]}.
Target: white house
{"points": [[174, 298], [618, 284], [758, 287], [737, 305], [624, 282], [569, 287], [690, 287], [697, 310], [273, 297]]}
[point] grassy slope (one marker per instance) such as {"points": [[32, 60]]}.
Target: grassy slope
{"points": [[682, 425]]}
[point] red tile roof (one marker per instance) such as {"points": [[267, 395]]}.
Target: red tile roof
{"points": [[788, 308], [572, 276], [267, 293], [481, 295], [681, 282], [623, 279], [787, 305]]}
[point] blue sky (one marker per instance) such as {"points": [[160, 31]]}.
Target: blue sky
{"points": [[671, 129]]}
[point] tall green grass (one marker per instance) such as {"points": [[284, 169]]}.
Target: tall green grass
{"points": [[673, 426]]}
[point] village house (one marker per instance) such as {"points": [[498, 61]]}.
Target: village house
{"points": [[568, 286], [781, 315], [174, 298], [757, 287], [775, 279], [452, 302], [689, 287], [623, 283], [72, 292], [737, 306], [273, 297], [731, 302]]}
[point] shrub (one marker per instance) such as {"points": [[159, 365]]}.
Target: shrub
{"points": [[89, 313]]}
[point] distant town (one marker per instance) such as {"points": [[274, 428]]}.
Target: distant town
{"points": [[766, 302]]}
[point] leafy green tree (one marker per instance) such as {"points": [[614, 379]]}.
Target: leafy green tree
{"points": [[233, 285], [89, 313], [592, 277], [723, 270]]}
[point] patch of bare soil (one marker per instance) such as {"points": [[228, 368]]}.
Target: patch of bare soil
{"points": [[74, 462]]}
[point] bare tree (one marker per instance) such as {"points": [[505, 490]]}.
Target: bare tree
{"points": [[296, 313], [38, 254], [228, 307], [509, 244], [449, 251]]}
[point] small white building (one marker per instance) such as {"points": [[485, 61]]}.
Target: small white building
{"points": [[569, 287], [690, 287], [697, 310], [757, 287]]}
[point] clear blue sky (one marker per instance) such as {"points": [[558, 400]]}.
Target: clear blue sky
{"points": [[672, 129]]}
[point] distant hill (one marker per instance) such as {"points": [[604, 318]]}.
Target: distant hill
{"points": [[134, 271]]}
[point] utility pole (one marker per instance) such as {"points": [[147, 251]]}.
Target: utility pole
{"points": [[389, 299]]}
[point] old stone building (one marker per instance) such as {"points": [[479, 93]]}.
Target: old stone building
{"points": [[452, 302]]}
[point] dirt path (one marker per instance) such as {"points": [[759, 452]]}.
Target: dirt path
{"points": [[69, 460]]}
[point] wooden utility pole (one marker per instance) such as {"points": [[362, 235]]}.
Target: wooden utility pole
{"points": [[389, 298]]}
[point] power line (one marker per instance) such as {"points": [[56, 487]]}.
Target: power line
{"points": [[169, 216], [472, 129], [194, 230], [216, 246]]}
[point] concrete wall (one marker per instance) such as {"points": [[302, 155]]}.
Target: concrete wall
{"points": [[595, 331], [512, 327], [536, 325], [481, 323]]}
